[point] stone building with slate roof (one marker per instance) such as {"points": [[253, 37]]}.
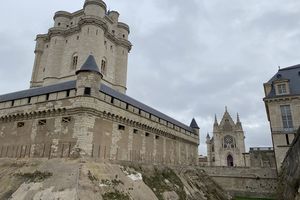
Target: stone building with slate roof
{"points": [[77, 103], [282, 101]]}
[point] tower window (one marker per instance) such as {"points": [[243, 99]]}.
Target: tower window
{"points": [[68, 93], [103, 66], [123, 35], [121, 127], [74, 61], [77, 37], [58, 24], [147, 134], [113, 31], [42, 122], [87, 91], [135, 131], [20, 124], [157, 137], [66, 120]]}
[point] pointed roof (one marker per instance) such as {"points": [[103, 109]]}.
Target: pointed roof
{"points": [[90, 65], [238, 118], [216, 120], [208, 136], [194, 124], [227, 122]]}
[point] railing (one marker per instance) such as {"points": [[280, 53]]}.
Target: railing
{"points": [[284, 130], [261, 149]]}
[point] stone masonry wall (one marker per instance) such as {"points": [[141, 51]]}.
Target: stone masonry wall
{"points": [[289, 178], [239, 181], [88, 126]]}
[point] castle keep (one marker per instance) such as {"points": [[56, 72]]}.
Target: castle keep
{"points": [[77, 102]]}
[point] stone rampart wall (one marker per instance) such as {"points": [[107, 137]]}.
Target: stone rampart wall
{"points": [[101, 128], [246, 182]]}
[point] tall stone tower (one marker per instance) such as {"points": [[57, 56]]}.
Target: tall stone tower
{"points": [[91, 30], [227, 145]]}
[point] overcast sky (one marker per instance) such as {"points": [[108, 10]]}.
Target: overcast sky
{"points": [[189, 59]]}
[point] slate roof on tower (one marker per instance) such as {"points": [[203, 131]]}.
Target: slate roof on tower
{"points": [[89, 65], [194, 124]]}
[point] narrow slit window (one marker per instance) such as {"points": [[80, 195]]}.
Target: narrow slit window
{"points": [[147, 134], [87, 91], [68, 93], [103, 66], [74, 61]]}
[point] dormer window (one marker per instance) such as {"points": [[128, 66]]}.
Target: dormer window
{"points": [[281, 89]]}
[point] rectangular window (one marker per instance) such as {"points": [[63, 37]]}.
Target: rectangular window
{"points": [[287, 120], [20, 124], [147, 134], [121, 127], [282, 89], [87, 91], [42, 122], [157, 137], [66, 120], [135, 131], [68, 93]]}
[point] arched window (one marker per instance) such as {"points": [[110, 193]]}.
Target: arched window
{"points": [[74, 61], [229, 161], [229, 142], [103, 66]]}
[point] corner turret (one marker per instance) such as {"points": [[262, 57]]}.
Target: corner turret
{"points": [[88, 78], [95, 8], [195, 126], [207, 138]]}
